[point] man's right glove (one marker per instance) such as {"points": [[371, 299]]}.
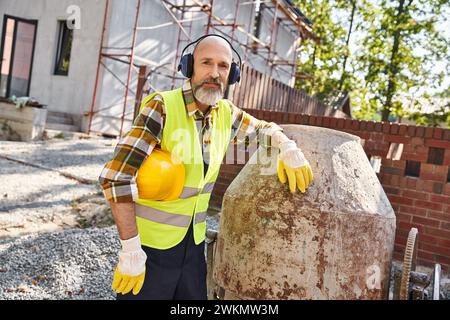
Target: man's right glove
{"points": [[130, 271], [293, 166]]}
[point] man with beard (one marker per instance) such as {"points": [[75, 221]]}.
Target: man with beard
{"points": [[162, 254]]}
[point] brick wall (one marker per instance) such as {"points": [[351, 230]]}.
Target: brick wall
{"points": [[414, 173]]}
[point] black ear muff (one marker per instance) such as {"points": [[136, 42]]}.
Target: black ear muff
{"points": [[186, 65], [235, 74]]}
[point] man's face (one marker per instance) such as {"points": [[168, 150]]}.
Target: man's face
{"points": [[212, 61]]}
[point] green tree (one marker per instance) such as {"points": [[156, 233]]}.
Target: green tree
{"points": [[321, 64], [398, 50]]}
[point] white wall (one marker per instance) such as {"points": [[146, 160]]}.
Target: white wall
{"points": [[71, 93]]}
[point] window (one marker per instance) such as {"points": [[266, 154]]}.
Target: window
{"points": [[448, 175], [412, 168], [436, 155], [65, 36], [16, 55]]}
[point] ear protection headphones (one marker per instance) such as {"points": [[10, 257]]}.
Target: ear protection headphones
{"points": [[186, 65]]}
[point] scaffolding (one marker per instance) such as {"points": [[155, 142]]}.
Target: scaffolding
{"points": [[183, 15]]}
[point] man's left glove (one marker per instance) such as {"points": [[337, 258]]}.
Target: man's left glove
{"points": [[293, 166], [130, 271]]}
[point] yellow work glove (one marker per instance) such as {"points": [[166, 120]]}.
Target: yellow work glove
{"points": [[293, 166], [130, 271]]}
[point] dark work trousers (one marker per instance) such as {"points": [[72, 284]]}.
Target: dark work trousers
{"points": [[177, 273]]}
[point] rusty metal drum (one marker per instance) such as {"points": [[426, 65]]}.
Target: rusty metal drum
{"points": [[333, 242]]}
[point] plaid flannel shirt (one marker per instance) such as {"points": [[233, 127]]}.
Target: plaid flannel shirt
{"points": [[117, 178]]}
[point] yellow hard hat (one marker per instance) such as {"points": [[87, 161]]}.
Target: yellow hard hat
{"points": [[160, 177]]}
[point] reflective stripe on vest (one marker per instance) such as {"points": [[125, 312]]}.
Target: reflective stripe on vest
{"points": [[172, 219], [200, 217], [159, 216], [188, 192], [208, 188]]}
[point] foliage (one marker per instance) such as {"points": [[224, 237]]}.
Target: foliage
{"points": [[397, 43]]}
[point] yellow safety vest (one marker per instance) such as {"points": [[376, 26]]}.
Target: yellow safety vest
{"points": [[163, 224]]}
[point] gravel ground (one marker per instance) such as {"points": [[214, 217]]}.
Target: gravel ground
{"points": [[35, 199], [35, 261], [83, 158], [72, 264]]}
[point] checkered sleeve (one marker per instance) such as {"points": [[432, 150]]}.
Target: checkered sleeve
{"points": [[245, 128], [117, 178]]}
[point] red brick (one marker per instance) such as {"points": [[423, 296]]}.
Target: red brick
{"points": [[340, 123], [446, 134], [403, 129], [425, 221], [291, 117], [439, 198], [326, 122], [394, 180], [391, 190], [333, 122], [436, 232], [415, 194], [370, 125], [420, 131], [443, 259], [438, 133], [429, 239], [407, 226], [348, 124], [437, 143], [413, 210], [423, 185], [355, 125], [394, 128], [376, 136], [428, 205], [443, 242], [443, 216], [403, 217], [434, 249], [363, 125], [447, 189], [433, 172], [428, 132], [363, 135], [411, 131], [445, 225], [416, 156], [396, 138], [426, 263], [447, 158], [411, 182], [390, 170], [399, 164], [378, 126], [319, 121], [417, 141], [401, 200], [425, 255], [305, 119]]}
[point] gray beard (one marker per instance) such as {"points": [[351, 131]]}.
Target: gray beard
{"points": [[208, 96]]}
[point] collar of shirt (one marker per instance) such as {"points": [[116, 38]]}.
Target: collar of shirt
{"points": [[190, 104]]}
